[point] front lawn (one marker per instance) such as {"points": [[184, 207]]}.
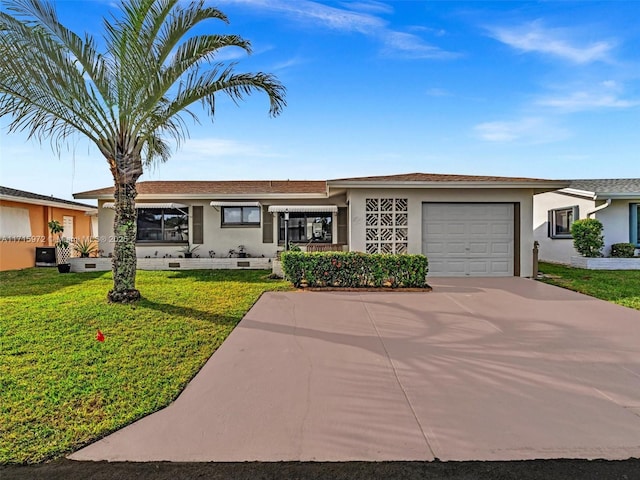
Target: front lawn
{"points": [[61, 389], [619, 286]]}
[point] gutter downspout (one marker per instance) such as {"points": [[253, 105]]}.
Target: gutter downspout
{"points": [[601, 207]]}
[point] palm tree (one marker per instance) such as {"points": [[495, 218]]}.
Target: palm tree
{"points": [[129, 99]]}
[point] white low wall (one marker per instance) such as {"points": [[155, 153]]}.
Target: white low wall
{"points": [[104, 264], [277, 268], [610, 263]]}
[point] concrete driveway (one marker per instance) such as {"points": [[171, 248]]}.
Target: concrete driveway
{"points": [[478, 369]]}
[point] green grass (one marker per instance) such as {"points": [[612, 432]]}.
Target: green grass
{"points": [[619, 286], [61, 389]]}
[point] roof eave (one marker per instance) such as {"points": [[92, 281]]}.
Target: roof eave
{"points": [[617, 196], [575, 192], [548, 184], [48, 203], [214, 196]]}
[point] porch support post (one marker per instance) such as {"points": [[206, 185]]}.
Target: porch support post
{"points": [[286, 230]]}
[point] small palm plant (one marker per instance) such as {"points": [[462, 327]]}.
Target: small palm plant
{"points": [[189, 249], [62, 244], [85, 247]]}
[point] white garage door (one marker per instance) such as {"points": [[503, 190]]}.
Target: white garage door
{"points": [[468, 239]]}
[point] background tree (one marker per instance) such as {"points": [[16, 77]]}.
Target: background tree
{"points": [[130, 98]]}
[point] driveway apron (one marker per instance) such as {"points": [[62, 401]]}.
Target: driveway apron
{"points": [[478, 369]]}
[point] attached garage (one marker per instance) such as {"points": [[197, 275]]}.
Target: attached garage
{"points": [[466, 225], [470, 239]]}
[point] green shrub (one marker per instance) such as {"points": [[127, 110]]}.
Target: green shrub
{"points": [[355, 270], [623, 250], [587, 237]]}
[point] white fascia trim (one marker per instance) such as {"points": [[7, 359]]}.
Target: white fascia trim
{"points": [[149, 205], [303, 208], [218, 203], [579, 193], [617, 196]]}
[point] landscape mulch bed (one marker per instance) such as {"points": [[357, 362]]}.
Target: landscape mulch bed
{"points": [[365, 289], [521, 470]]}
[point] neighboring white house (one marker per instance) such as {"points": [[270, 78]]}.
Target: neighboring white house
{"points": [[615, 202], [466, 225]]}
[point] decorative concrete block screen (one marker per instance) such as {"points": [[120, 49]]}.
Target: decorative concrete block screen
{"points": [[387, 222]]}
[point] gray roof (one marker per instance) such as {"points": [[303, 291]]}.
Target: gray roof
{"points": [[608, 185], [12, 192]]}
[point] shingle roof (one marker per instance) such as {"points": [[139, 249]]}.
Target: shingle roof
{"points": [[213, 188], [12, 192], [608, 185], [436, 177], [284, 187]]}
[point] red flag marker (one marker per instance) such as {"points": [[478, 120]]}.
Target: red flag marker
{"points": [[100, 336]]}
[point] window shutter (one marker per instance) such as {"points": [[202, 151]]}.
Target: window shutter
{"points": [[550, 223], [267, 226], [343, 225], [196, 221]]}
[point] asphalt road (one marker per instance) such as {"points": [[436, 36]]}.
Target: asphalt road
{"points": [[520, 470]]}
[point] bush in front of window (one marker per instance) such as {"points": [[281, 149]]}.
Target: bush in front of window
{"points": [[587, 237], [355, 270], [623, 250]]}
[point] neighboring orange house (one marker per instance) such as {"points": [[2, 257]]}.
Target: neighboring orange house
{"points": [[23, 224]]}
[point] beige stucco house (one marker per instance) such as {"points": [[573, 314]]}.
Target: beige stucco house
{"points": [[615, 202], [466, 225]]}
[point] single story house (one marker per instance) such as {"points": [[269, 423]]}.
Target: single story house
{"points": [[466, 225], [23, 224], [615, 202]]}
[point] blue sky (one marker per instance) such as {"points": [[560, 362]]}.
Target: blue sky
{"points": [[541, 89]]}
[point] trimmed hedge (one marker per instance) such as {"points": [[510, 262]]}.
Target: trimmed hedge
{"points": [[587, 237], [355, 269], [623, 250]]}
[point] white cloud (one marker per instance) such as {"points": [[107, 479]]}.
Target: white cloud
{"points": [[534, 37], [208, 148], [364, 21], [409, 45], [331, 17], [376, 7], [529, 130], [438, 32], [606, 94], [578, 101], [230, 53], [292, 62]]}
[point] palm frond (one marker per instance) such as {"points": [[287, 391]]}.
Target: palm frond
{"points": [[42, 87], [180, 23], [136, 95], [200, 87], [84, 52]]}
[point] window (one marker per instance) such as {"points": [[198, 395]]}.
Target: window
{"points": [[68, 225], [162, 225], [560, 220], [14, 222], [240, 216], [307, 227], [634, 224]]}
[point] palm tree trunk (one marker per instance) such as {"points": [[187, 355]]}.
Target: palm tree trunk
{"points": [[124, 253]]}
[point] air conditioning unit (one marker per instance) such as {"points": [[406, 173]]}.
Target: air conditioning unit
{"points": [[45, 256]]}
